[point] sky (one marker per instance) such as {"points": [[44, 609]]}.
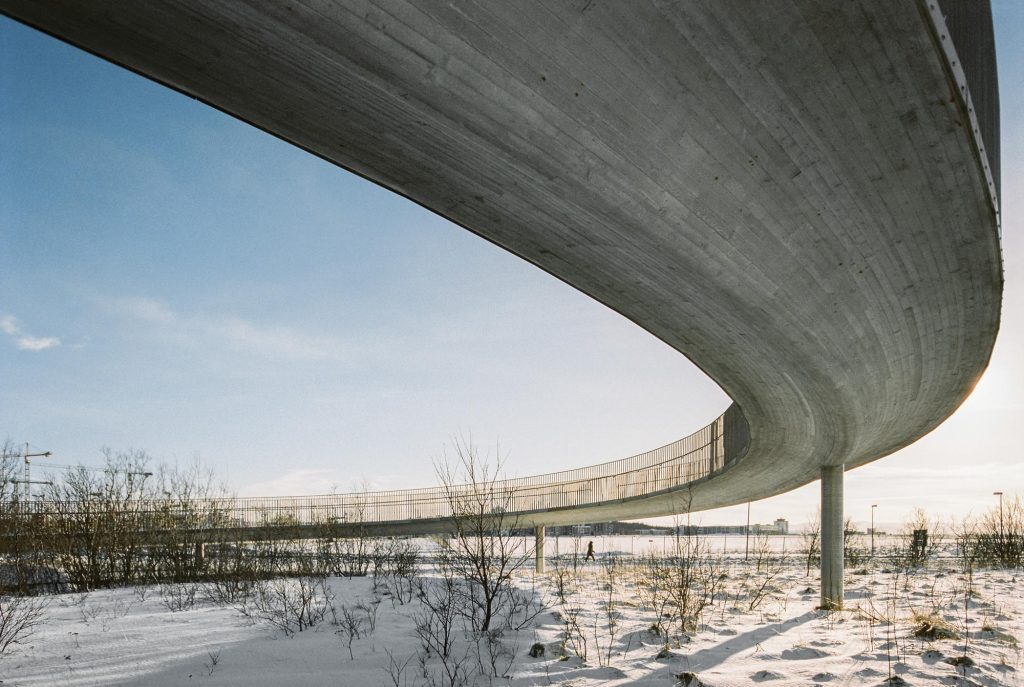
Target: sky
{"points": [[175, 281]]}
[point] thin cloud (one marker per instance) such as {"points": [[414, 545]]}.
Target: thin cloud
{"points": [[282, 341], [303, 482], [24, 341], [148, 309], [37, 343], [236, 333]]}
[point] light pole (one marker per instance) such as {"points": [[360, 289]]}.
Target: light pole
{"points": [[873, 507], [1000, 495], [746, 546]]}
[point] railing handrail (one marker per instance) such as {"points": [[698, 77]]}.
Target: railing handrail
{"points": [[673, 465]]}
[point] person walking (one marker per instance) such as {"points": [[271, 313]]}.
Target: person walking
{"points": [[590, 552]]}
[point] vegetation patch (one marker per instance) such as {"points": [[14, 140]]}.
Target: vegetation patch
{"points": [[931, 626]]}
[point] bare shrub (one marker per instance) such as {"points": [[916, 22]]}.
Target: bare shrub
{"points": [[370, 609], [437, 623], [397, 677], [811, 538], [20, 616], [291, 604], [214, 660], [652, 585], [919, 520], [230, 590], [523, 605], [343, 543], [767, 568], [999, 535], [395, 565], [495, 656], [350, 627], [93, 524], [27, 567], [124, 525], [609, 616], [437, 626], [142, 591], [455, 670], [970, 549], [179, 596], [567, 586], [854, 550], [692, 578]]}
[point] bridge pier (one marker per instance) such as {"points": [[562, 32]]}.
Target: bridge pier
{"points": [[538, 535], [832, 537]]}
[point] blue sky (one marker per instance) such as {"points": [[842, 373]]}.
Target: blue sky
{"points": [[176, 281]]}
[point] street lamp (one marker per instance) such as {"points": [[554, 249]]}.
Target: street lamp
{"points": [[1000, 495], [873, 507], [746, 547]]}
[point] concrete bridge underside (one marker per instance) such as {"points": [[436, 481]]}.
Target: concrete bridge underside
{"points": [[798, 196]]}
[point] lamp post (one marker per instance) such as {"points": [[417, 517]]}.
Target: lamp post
{"points": [[746, 546], [1000, 495], [873, 507]]}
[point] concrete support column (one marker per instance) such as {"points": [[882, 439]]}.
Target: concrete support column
{"points": [[538, 534], [832, 537]]}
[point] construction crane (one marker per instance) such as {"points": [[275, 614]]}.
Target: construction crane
{"points": [[27, 481]]}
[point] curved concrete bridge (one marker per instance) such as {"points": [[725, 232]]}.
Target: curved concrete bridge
{"points": [[799, 196], [657, 482]]}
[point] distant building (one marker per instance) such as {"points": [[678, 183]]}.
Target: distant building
{"points": [[780, 526]]}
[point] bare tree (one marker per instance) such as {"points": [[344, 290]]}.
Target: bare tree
{"points": [[768, 566], [395, 564], [9, 465], [694, 576], [919, 521], [854, 550], [185, 503], [343, 541], [811, 537], [77, 528], [483, 547], [999, 534], [27, 564]]}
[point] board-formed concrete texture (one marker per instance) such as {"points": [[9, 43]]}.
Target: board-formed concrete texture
{"points": [[798, 195]]}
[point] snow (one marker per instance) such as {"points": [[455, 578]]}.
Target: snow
{"points": [[130, 637]]}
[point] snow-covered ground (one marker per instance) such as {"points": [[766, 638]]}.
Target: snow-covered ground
{"points": [[130, 637]]}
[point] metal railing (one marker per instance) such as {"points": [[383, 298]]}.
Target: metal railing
{"points": [[673, 466]]}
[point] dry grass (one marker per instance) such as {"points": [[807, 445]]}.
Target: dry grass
{"points": [[931, 626]]}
